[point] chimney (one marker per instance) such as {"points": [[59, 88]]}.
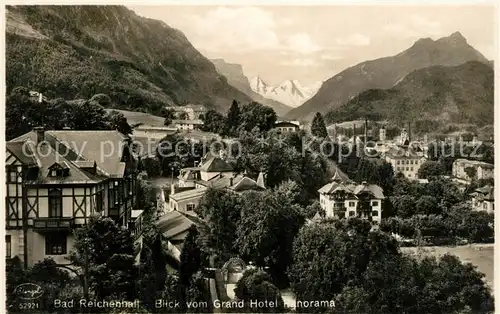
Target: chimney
{"points": [[40, 97], [364, 183], [231, 181], [40, 134]]}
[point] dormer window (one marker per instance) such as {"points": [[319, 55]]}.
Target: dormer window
{"points": [[59, 170]]}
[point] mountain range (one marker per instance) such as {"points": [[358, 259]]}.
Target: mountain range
{"points": [[384, 73], [78, 51], [431, 97], [290, 92], [236, 77]]}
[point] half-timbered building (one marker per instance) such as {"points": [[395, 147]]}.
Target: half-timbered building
{"points": [[57, 180]]}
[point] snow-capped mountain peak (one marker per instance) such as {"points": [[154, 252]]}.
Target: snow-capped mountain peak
{"points": [[259, 86], [290, 92]]}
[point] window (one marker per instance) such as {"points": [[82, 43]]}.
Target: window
{"points": [[352, 204], [12, 176], [411, 168], [407, 168], [397, 162], [98, 201], [411, 162], [190, 207], [55, 203], [351, 213], [8, 247], [374, 212], [111, 198], [375, 203], [57, 173], [407, 162], [55, 244]]}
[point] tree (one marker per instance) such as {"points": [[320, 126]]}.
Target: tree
{"points": [[403, 205], [152, 166], [269, 222], [175, 152], [221, 212], [118, 122], [329, 255], [385, 177], [146, 197], [190, 257], [430, 169], [168, 114], [479, 226], [318, 127], [427, 205], [55, 283], [111, 258], [214, 122], [88, 115], [233, 119], [255, 115], [256, 285], [427, 286]]}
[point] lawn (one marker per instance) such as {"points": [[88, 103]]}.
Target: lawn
{"points": [[140, 117], [480, 255]]}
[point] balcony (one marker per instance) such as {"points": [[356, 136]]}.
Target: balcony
{"points": [[53, 223]]}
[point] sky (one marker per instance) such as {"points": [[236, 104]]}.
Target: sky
{"points": [[313, 43]]}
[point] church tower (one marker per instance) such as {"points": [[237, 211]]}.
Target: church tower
{"points": [[405, 140]]}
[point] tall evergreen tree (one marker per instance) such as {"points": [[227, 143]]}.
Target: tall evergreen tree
{"points": [[110, 255], [318, 127], [233, 118]]}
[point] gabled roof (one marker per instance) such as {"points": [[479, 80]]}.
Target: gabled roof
{"points": [[192, 193], [77, 150], [356, 190], [23, 154], [61, 165], [401, 152], [47, 157], [105, 147], [173, 224], [215, 164], [486, 193], [373, 189], [244, 183]]}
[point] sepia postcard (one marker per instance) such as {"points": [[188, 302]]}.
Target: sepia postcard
{"points": [[249, 157]]}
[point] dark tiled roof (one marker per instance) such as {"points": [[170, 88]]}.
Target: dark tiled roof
{"points": [[215, 164], [486, 193], [174, 223], [86, 148], [356, 190], [105, 147], [405, 152], [373, 189], [17, 149]]}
